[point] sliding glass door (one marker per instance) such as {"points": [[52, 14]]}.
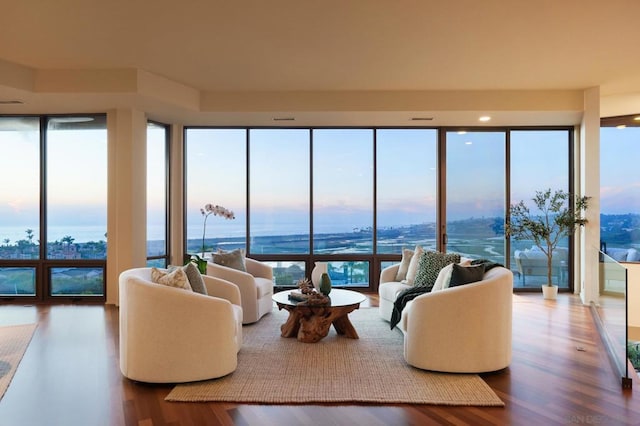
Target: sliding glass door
{"points": [[476, 194]]}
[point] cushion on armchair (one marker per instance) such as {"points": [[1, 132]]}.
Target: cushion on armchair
{"points": [[177, 278], [193, 275], [231, 259]]}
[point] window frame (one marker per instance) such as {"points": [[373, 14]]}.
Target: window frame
{"points": [[43, 265], [375, 259]]}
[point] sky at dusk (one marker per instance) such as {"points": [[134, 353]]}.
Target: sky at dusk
{"points": [[342, 181]]}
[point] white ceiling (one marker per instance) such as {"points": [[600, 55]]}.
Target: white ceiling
{"points": [[331, 46]]}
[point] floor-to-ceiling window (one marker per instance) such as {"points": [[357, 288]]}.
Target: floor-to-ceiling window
{"points": [[280, 199], [406, 190], [354, 197], [56, 193], [620, 188], [539, 161], [475, 193], [157, 194], [19, 205], [343, 203], [215, 173]]}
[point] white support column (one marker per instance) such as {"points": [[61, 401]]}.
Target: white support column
{"points": [[177, 195], [127, 195], [589, 185]]}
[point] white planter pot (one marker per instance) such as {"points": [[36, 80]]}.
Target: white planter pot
{"points": [[550, 292], [316, 273]]}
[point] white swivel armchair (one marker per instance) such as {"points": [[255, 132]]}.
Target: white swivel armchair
{"points": [[256, 286], [171, 335], [465, 329]]}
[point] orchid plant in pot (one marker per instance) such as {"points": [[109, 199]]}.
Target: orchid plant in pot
{"points": [[558, 213], [206, 211]]}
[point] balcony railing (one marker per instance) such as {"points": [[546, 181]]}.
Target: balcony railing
{"points": [[611, 316]]}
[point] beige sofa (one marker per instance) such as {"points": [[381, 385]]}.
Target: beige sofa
{"points": [[465, 329], [171, 335]]}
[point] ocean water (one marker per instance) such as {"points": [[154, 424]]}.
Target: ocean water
{"points": [[83, 234], [80, 234]]}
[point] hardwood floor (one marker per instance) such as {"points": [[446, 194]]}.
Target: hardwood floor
{"points": [[69, 376]]}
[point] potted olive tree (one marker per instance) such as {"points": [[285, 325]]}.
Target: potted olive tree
{"points": [[556, 217]]}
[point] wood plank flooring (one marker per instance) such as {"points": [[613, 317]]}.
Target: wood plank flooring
{"points": [[69, 376]]}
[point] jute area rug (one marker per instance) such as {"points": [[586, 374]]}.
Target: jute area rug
{"points": [[276, 370], [14, 340]]}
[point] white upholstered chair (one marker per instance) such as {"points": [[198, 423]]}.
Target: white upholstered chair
{"points": [[256, 286], [465, 329], [171, 335]]}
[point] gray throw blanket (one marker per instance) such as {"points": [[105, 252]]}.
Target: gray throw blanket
{"points": [[409, 294]]}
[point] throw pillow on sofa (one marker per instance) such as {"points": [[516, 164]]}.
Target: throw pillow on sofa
{"points": [[444, 276], [413, 265], [461, 275], [430, 265], [407, 255]]}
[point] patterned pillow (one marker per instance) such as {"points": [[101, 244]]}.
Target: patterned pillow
{"points": [[177, 278], [231, 259], [431, 262]]}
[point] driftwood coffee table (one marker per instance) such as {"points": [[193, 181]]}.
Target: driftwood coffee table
{"points": [[311, 323]]}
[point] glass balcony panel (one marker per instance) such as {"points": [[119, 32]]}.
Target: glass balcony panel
{"points": [[77, 281], [287, 274], [17, 281], [621, 340], [349, 274]]}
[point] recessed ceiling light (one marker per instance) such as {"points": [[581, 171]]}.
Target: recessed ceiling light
{"points": [[637, 118], [462, 132], [621, 126], [484, 118]]}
